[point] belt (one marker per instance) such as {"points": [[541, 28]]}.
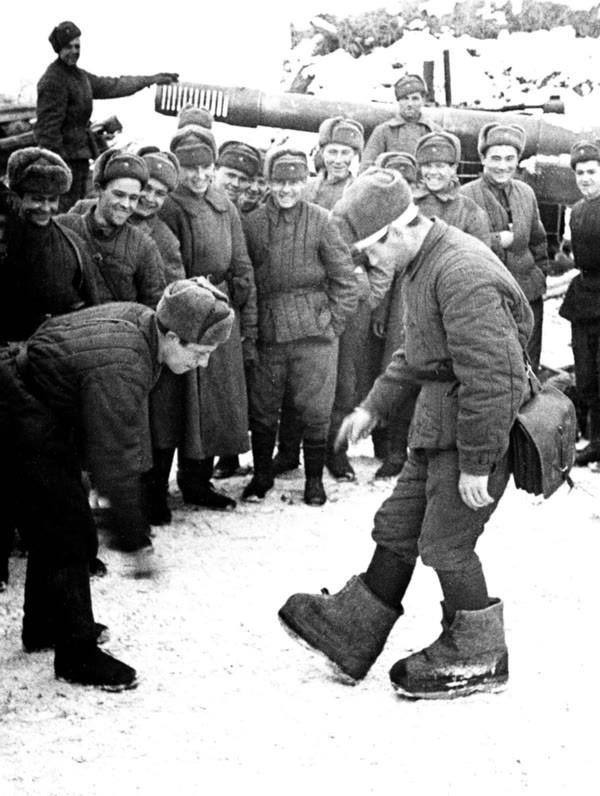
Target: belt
{"points": [[443, 372]]}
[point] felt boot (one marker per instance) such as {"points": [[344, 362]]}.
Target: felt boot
{"points": [[350, 628], [156, 487], [314, 461], [469, 656]]}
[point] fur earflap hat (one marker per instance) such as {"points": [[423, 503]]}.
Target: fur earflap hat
{"points": [[196, 311], [409, 84], [438, 147], [164, 167], [346, 132], [240, 156], [403, 162], [496, 134], [62, 34], [194, 146], [191, 114], [286, 164], [371, 203], [37, 170], [582, 151], [115, 164]]}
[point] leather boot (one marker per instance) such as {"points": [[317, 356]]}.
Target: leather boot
{"points": [[156, 487], [469, 656], [289, 440], [350, 628], [314, 461], [193, 478], [262, 481]]}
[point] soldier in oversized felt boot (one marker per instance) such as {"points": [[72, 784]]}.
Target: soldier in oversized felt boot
{"points": [[467, 325]]}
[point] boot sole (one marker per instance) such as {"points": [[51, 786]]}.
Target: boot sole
{"points": [[331, 668], [484, 687], [114, 689]]}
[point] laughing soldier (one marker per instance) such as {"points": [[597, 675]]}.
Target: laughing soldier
{"points": [[467, 322]]}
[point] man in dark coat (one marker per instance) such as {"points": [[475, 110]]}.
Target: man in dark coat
{"points": [[76, 392], [581, 305], [306, 290], [64, 105], [467, 322], [401, 133]]}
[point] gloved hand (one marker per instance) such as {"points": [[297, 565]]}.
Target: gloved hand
{"points": [[164, 78], [249, 351]]}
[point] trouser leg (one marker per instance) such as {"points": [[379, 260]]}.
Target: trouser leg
{"points": [[534, 346]]}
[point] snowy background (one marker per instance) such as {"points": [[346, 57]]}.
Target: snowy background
{"points": [[227, 703]]}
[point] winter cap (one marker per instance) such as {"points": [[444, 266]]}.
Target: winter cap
{"points": [[164, 167], [196, 311], [286, 164], [582, 151], [438, 147], [191, 114], [403, 162], [115, 164], [37, 170], [194, 146], [239, 156], [339, 130], [409, 84], [62, 35], [496, 134], [376, 199]]}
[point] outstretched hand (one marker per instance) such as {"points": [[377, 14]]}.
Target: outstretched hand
{"points": [[473, 490], [164, 78], [355, 426]]}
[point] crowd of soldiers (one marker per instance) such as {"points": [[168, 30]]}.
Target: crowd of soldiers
{"points": [[279, 301]]}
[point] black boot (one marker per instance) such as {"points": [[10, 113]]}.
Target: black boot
{"points": [[591, 452], [289, 440], [193, 477], [156, 487], [228, 466], [381, 442], [337, 462], [262, 481], [314, 461]]}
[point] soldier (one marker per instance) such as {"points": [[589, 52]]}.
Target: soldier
{"points": [[341, 142], [518, 237], [64, 105], [402, 133], [467, 324], [306, 290], [236, 167], [581, 305], [78, 388]]}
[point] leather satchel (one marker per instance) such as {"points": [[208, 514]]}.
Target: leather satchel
{"points": [[542, 440]]}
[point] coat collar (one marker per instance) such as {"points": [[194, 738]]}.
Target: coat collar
{"points": [[192, 203], [421, 191], [433, 237], [276, 214]]}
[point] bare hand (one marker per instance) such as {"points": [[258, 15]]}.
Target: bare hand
{"points": [[473, 490], [506, 238], [378, 329], [355, 426]]}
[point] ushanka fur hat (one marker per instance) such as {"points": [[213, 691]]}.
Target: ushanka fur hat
{"points": [[496, 134], [403, 162], [346, 132], [409, 84], [37, 170], [62, 34], [162, 166], [115, 164], [190, 114], [583, 151], [376, 199], [194, 145], [196, 311], [240, 156], [438, 147]]}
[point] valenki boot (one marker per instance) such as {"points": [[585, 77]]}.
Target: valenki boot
{"points": [[350, 628], [469, 656], [156, 487]]}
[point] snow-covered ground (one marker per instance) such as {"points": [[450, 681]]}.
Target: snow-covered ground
{"points": [[229, 704]]}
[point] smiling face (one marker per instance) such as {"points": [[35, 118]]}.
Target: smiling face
{"points": [[118, 201], [410, 107], [233, 181], [438, 176], [197, 178], [38, 208], [500, 163], [69, 54], [287, 193], [337, 159], [152, 198], [182, 357], [587, 177]]}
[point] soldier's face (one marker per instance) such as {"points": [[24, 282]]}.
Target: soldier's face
{"points": [[438, 176], [38, 208], [396, 249], [197, 178], [287, 193], [500, 163], [233, 181], [118, 201], [70, 53], [337, 159], [410, 107], [152, 198], [181, 357], [587, 177]]}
